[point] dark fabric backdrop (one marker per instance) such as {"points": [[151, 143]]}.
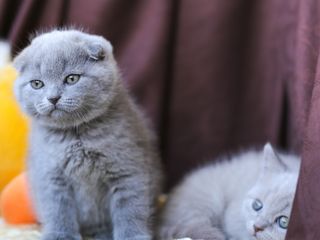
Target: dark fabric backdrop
{"points": [[214, 76]]}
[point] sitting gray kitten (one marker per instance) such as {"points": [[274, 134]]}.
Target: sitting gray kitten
{"points": [[92, 163], [248, 197]]}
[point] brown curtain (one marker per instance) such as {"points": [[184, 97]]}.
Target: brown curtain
{"points": [[213, 76]]}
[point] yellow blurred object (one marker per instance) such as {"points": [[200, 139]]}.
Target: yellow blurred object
{"points": [[13, 129]]}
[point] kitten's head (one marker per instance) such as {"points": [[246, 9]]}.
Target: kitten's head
{"points": [[66, 78], [267, 205]]}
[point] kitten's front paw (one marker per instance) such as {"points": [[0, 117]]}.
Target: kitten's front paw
{"points": [[139, 238], [61, 236], [102, 236]]}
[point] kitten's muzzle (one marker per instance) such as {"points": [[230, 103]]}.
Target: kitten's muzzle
{"points": [[257, 229], [54, 100]]}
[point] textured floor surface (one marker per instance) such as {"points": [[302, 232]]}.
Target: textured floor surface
{"points": [[30, 232], [8, 232]]}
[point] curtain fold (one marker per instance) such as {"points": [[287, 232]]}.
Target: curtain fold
{"points": [[305, 101]]}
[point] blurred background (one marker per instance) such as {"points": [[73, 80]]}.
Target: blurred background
{"points": [[213, 76]]}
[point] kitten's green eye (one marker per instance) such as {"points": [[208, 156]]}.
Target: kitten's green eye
{"points": [[36, 84], [72, 79], [283, 222], [257, 205]]}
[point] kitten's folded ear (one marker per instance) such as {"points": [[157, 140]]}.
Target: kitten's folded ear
{"points": [[99, 48], [20, 61], [272, 161]]}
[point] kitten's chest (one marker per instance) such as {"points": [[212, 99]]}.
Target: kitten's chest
{"points": [[86, 169], [83, 162]]}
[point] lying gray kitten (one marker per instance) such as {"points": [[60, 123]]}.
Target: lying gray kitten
{"points": [[248, 197], [92, 163]]}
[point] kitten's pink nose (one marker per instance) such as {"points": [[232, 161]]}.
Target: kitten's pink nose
{"points": [[257, 229], [54, 100]]}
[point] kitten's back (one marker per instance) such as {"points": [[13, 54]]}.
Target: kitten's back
{"points": [[207, 191]]}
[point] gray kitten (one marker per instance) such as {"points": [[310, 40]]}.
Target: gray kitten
{"points": [[247, 198], [92, 164]]}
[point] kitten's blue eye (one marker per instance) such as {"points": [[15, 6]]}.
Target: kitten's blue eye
{"points": [[72, 79], [283, 222], [257, 205], [36, 84]]}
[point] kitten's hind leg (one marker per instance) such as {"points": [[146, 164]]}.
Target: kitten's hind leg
{"points": [[206, 233], [193, 229]]}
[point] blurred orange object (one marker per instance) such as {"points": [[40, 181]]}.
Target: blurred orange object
{"points": [[15, 202], [13, 129]]}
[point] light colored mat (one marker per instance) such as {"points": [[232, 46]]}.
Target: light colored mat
{"points": [[28, 232], [9, 232]]}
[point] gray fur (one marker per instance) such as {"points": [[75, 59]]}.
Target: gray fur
{"points": [[92, 164], [215, 202]]}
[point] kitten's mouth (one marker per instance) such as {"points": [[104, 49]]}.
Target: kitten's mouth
{"points": [[55, 111], [254, 236]]}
